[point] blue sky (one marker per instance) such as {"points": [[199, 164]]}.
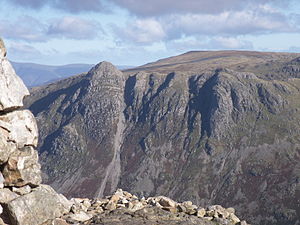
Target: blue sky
{"points": [[134, 32]]}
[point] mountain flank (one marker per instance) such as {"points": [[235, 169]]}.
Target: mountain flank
{"points": [[216, 127]]}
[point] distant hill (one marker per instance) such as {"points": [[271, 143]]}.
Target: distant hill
{"points": [[37, 74]]}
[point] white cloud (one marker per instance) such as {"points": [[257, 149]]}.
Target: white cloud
{"points": [[73, 6], [208, 43], [257, 20], [26, 28], [22, 52], [229, 43], [229, 23], [74, 28], [159, 7], [147, 8], [142, 31]]}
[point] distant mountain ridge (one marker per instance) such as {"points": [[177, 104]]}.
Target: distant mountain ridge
{"points": [[38, 74]]}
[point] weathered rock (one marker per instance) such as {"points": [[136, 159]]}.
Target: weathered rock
{"points": [[37, 207], [230, 210], [86, 203], [12, 87], [22, 190], [111, 210], [137, 206], [146, 216], [56, 221], [2, 222], [111, 205], [189, 208], [233, 218], [218, 211], [201, 212], [22, 168], [7, 195], [165, 202], [22, 128], [209, 218], [78, 217], [115, 198], [80, 204], [17, 129]]}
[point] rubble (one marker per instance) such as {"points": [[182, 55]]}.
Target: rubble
{"points": [[121, 204]]}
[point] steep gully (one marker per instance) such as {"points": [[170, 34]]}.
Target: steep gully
{"points": [[113, 170]]}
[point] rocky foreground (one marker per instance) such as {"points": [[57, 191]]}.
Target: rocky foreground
{"points": [[125, 208]]}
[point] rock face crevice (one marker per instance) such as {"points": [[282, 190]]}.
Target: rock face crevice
{"points": [[113, 170]]}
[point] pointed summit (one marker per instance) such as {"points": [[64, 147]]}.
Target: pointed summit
{"points": [[104, 69], [105, 73]]}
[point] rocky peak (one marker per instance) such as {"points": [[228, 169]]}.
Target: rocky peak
{"points": [[104, 68], [105, 72]]}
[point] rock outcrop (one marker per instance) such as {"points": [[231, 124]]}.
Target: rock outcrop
{"points": [[12, 88], [24, 201]]}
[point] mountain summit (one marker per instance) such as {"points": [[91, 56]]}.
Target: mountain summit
{"points": [[217, 127]]}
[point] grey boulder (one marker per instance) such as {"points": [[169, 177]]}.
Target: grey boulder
{"points": [[12, 87], [44, 204]]}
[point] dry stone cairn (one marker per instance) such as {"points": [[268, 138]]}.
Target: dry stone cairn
{"points": [[24, 200]]}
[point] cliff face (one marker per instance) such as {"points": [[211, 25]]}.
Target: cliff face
{"points": [[180, 127]]}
